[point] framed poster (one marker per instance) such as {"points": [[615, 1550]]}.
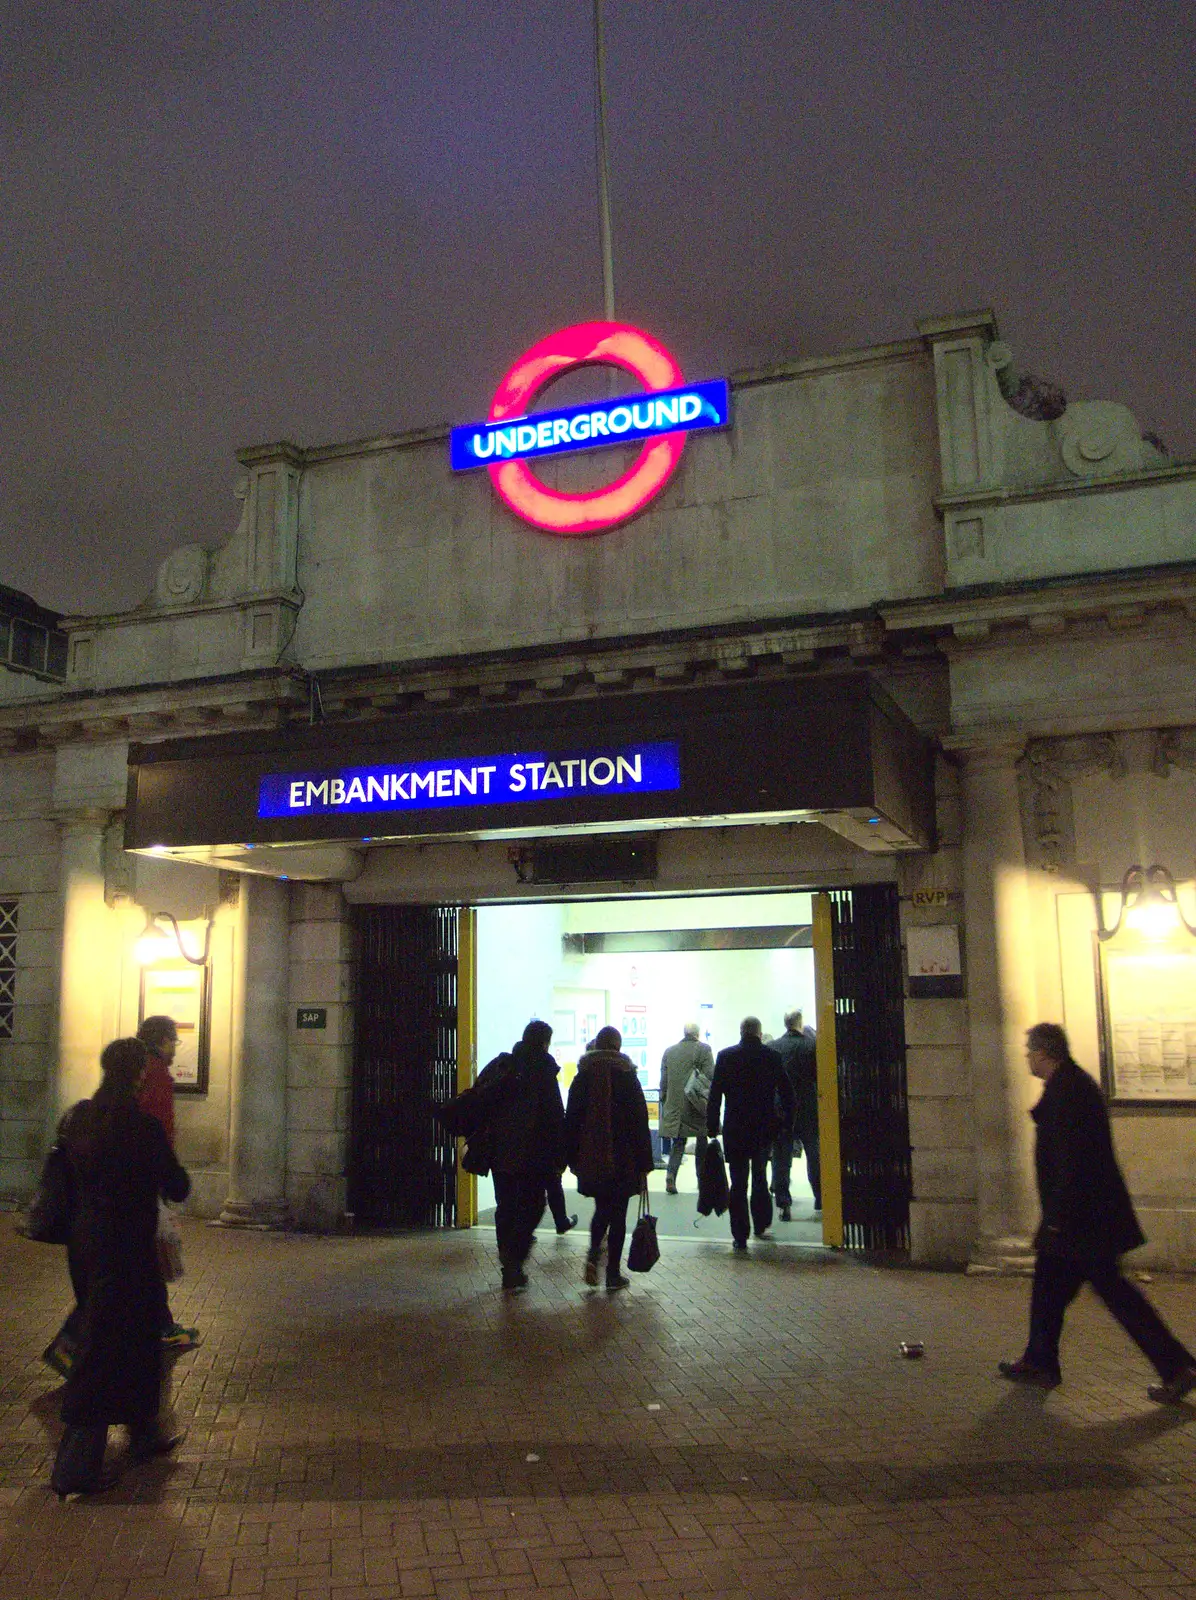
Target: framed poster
{"points": [[1148, 1018], [179, 989]]}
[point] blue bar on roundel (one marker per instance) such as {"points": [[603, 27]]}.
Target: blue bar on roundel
{"points": [[621, 420]]}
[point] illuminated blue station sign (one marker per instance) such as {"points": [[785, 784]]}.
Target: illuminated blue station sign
{"points": [[473, 781], [600, 422]]}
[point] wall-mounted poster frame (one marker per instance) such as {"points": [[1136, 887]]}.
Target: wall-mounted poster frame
{"points": [[1147, 993], [181, 990]]}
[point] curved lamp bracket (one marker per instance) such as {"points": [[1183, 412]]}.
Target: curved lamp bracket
{"points": [[1142, 888]]}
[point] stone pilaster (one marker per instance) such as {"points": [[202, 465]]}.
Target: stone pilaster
{"points": [[1001, 1002], [258, 1068], [87, 982], [320, 1061]]}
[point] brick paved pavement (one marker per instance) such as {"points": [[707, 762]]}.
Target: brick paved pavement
{"points": [[369, 1418]]}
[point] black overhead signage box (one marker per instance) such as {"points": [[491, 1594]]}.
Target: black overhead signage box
{"points": [[668, 757]]}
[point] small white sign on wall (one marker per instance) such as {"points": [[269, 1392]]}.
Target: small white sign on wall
{"points": [[933, 952]]}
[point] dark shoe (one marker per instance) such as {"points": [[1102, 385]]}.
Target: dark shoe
{"points": [[786, 1214], [618, 1282], [514, 1280], [739, 1245], [1023, 1371], [144, 1446], [762, 1233], [591, 1272], [1175, 1389], [670, 1187], [79, 1462], [570, 1222]]}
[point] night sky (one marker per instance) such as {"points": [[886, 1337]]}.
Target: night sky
{"points": [[227, 224]]}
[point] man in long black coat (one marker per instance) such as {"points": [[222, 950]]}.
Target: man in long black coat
{"points": [[524, 1141], [750, 1078], [798, 1050], [1088, 1221]]}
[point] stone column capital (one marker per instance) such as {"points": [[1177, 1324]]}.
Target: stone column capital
{"points": [[83, 819], [991, 755]]}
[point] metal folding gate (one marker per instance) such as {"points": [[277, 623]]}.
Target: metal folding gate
{"points": [[402, 1168], [870, 1040]]}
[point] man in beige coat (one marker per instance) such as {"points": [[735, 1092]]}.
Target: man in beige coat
{"points": [[678, 1119]]}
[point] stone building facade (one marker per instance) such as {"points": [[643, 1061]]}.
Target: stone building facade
{"points": [[1014, 574]]}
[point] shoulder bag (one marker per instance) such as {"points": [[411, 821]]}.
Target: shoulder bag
{"points": [[644, 1251], [51, 1212]]}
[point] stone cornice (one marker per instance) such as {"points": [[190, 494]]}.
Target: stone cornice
{"points": [[153, 613], [367, 691], [1064, 488], [1118, 600]]}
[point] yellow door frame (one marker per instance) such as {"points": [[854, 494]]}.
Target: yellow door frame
{"points": [[828, 1075], [467, 1048]]}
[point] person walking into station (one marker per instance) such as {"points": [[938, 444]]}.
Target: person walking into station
{"points": [[160, 1036], [122, 1163], [525, 1142], [609, 1146], [1087, 1222], [798, 1050], [564, 1219], [750, 1078], [679, 1116]]}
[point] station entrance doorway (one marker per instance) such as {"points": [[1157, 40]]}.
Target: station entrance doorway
{"points": [[440, 990]]}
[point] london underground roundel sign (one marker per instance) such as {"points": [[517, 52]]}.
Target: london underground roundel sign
{"points": [[661, 415]]}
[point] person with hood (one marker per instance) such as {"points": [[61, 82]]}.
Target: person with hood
{"points": [[122, 1163], [1088, 1221], [523, 1138], [749, 1076], [609, 1146], [678, 1118]]}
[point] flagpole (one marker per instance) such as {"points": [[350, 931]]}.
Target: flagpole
{"points": [[604, 229]]}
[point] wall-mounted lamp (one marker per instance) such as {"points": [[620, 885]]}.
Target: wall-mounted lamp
{"points": [[1149, 904], [154, 943]]}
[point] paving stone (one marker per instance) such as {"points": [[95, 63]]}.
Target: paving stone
{"points": [[370, 1418]]}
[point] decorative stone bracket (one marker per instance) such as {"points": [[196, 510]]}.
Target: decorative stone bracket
{"points": [[1049, 768]]}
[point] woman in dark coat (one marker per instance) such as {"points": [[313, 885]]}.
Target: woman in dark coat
{"points": [[609, 1146], [122, 1162]]}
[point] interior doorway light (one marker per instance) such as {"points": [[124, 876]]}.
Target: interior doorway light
{"points": [[1149, 905], [154, 943]]}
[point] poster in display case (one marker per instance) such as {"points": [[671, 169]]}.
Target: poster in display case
{"points": [[1148, 1018], [179, 989]]}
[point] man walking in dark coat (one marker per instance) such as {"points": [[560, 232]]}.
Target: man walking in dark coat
{"points": [[749, 1076], [525, 1141], [1087, 1222], [798, 1051]]}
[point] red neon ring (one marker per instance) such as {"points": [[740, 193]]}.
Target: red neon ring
{"points": [[615, 344]]}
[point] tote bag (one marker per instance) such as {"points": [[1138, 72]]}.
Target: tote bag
{"points": [[644, 1251]]}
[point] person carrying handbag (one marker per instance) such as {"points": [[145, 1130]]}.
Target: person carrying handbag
{"points": [[686, 1069], [609, 1146], [123, 1163]]}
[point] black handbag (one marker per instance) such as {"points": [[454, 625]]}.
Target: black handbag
{"points": [[644, 1251], [51, 1213]]}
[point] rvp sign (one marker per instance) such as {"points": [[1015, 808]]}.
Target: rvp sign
{"points": [[661, 416]]}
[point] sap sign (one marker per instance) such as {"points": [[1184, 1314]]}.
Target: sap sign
{"points": [[660, 416], [630, 417], [481, 781]]}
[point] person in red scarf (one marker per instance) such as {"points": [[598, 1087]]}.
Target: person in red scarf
{"points": [[609, 1146], [160, 1036]]}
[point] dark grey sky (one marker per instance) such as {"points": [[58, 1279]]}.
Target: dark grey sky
{"points": [[226, 224]]}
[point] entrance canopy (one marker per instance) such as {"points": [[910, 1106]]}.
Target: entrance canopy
{"points": [[832, 749]]}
